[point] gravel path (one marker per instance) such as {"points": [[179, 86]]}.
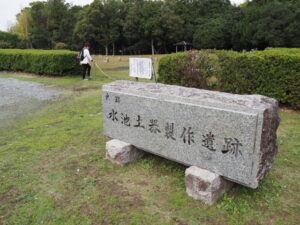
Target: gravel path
{"points": [[21, 97]]}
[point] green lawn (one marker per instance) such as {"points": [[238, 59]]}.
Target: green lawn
{"points": [[53, 171]]}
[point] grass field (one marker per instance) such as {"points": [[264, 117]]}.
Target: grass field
{"points": [[53, 170]]}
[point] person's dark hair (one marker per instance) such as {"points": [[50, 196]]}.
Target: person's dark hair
{"points": [[87, 45]]}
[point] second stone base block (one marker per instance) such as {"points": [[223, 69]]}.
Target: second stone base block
{"points": [[122, 153], [205, 185]]}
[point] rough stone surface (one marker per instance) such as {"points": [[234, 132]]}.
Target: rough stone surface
{"points": [[231, 135], [122, 153], [204, 185]]}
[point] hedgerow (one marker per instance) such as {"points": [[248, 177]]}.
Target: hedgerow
{"points": [[42, 62], [272, 72], [188, 69]]}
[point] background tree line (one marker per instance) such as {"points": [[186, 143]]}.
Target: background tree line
{"points": [[143, 26]]}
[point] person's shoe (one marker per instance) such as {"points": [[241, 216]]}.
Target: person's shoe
{"points": [[85, 79], [89, 78]]}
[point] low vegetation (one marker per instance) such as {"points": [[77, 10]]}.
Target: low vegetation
{"points": [[272, 72], [53, 170], [9, 40], [42, 62]]}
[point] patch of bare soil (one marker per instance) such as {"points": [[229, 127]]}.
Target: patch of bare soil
{"points": [[119, 68], [289, 110], [21, 97]]}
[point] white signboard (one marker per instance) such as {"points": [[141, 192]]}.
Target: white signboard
{"points": [[140, 68]]}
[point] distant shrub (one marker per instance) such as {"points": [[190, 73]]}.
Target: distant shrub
{"points": [[5, 44], [9, 40], [60, 45], [171, 68], [274, 72], [191, 69], [43, 62]]}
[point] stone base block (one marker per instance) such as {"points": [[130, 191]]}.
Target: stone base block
{"points": [[121, 153], [204, 185]]}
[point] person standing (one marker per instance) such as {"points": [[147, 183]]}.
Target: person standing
{"points": [[85, 60]]}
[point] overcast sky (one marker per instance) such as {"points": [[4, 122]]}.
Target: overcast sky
{"points": [[10, 8]]}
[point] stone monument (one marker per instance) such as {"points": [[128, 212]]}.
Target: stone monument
{"points": [[233, 136]]}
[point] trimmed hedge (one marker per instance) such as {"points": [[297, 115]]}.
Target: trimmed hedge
{"points": [[272, 72], [171, 68], [42, 62], [191, 69]]}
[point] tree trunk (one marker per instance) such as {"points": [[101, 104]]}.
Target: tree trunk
{"points": [[106, 50], [29, 43], [113, 48], [152, 46]]}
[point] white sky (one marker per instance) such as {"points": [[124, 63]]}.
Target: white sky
{"points": [[10, 8]]}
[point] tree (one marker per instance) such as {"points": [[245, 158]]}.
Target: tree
{"points": [[101, 24], [39, 35], [57, 23], [150, 22], [293, 29], [75, 13], [211, 33], [113, 23], [243, 27], [44, 24], [21, 28], [143, 26], [272, 25], [171, 26], [132, 25]]}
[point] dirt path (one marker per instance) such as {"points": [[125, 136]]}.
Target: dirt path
{"points": [[21, 97]]}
